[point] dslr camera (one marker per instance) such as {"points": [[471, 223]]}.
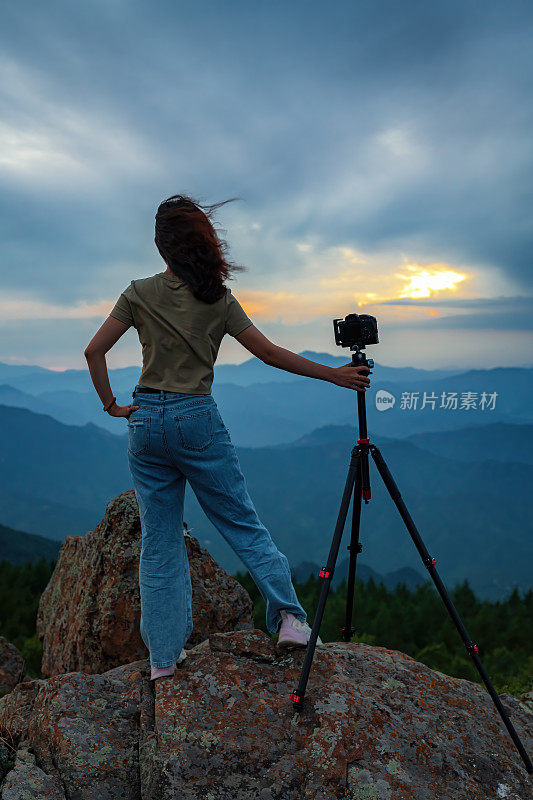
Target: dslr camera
{"points": [[356, 330]]}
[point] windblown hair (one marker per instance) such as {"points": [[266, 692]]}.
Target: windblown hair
{"points": [[189, 244]]}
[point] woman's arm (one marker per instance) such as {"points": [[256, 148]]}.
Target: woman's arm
{"points": [[348, 375], [103, 340]]}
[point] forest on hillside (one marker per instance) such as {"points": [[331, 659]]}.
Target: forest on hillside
{"points": [[414, 621]]}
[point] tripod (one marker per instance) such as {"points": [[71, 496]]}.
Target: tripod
{"points": [[358, 482]]}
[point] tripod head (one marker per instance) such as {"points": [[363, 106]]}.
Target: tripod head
{"points": [[359, 356]]}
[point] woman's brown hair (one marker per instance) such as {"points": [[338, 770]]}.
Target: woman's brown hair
{"points": [[189, 244]]}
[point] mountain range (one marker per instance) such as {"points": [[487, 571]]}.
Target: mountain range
{"points": [[19, 547], [263, 406], [473, 510]]}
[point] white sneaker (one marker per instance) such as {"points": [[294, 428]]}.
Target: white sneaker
{"points": [[167, 672], [293, 632]]}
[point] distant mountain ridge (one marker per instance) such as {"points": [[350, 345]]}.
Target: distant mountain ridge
{"points": [[35, 379], [498, 441], [406, 575], [56, 480], [19, 547], [54, 476], [280, 407]]}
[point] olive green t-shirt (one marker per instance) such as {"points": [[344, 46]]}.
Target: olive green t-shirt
{"points": [[180, 335]]}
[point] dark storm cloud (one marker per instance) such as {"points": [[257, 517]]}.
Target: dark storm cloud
{"points": [[482, 313], [479, 303], [376, 125], [521, 320]]}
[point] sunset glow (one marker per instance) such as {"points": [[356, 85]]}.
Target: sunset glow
{"points": [[425, 281], [340, 280]]}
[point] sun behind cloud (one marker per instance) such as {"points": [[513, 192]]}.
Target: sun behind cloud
{"points": [[351, 280], [428, 279], [337, 280]]}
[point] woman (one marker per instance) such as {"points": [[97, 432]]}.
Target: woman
{"points": [[176, 432]]}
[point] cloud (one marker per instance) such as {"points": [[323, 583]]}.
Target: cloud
{"points": [[481, 313], [59, 146], [393, 133], [24, 309], [493, 321], [505, 303], [337, 281]]}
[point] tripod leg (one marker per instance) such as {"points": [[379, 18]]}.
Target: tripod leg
{"points": [[326, 574], [355, 548], [430, 564]]}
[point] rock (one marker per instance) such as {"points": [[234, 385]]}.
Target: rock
{"points": [[12, 666], [6, 758], [375, 724], [526, 698], [27, 781], [88, 617]]}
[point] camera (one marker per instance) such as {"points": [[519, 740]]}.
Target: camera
{"points": [[356, 330]]}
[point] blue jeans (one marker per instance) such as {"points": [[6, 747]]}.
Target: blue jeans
{"points": [[174, 437]]}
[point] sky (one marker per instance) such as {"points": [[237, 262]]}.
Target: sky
{"points": [[381, 154]]}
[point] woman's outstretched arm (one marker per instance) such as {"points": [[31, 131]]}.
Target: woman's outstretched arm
{"points": [[348, 375]]}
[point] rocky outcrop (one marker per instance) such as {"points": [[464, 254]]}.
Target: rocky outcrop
{"points": [[26, 781], [12, 666], [375, 724], [88, 618]]}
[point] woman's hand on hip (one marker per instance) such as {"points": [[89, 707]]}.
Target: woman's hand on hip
{"points": [[122, 411], [351, 376]]}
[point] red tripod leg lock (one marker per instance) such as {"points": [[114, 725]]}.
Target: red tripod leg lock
{"points": [[323, 573], [295, 697]]}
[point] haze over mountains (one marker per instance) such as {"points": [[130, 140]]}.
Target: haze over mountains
{"points": [[465, 475], [263, 405]]}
